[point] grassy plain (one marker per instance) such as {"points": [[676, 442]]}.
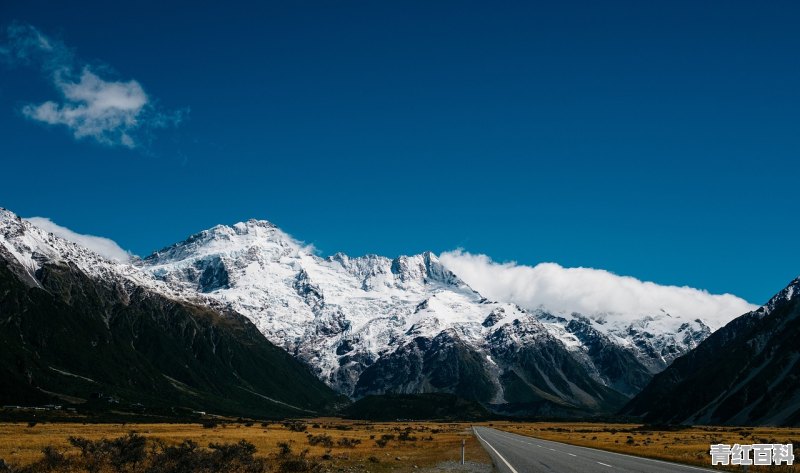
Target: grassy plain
{"points": [[354, 446], [424, 446], [687, 445]]}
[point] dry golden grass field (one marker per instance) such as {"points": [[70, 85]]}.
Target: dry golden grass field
{"points": [[409, 446], [688, 446], [426, 445]]}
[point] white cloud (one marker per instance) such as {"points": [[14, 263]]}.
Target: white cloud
{"points": [[103, 246], [588, 291], [111, 112], [103, 110]]}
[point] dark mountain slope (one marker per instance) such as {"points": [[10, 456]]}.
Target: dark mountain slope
{"points": [[66, 336], [431, 406], [746, 373], [522, 364]]}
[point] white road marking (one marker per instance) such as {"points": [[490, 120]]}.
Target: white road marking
{"points": [[572, 454], [498, 453], [605, 464], [595, 450]]}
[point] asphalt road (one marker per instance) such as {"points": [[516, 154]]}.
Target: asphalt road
{"points": [[519, 454]]}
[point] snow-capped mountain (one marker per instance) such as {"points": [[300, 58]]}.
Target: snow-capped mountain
{"points": [[75, 326], [338, 314], [371, 325], [656, 340]]}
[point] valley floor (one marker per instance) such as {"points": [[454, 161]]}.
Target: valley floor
{"points": [[338, 445], [409, 446], [688, 446]]}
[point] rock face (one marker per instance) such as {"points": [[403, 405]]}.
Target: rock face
{"points": [[746, 373], [191, 319], [77, 328], [375, 325]]}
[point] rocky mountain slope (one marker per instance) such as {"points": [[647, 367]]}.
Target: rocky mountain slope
{"points": [[77, 328], [373, 325], [747, 373], [364, 326]]}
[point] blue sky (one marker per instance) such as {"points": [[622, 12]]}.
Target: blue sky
{"points": [[652, 139]]}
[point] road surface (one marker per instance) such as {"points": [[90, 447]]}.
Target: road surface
{"points": [[519, 454]]}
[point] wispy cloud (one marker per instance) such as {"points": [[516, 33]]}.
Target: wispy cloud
{"points": [[102, 246], [588, 291], [92, 104]]}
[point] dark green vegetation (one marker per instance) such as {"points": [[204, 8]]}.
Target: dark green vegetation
{"points": [[433, 406], [747, 373], [134, 453], [69, 339]]}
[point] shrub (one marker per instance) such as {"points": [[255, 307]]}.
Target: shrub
{"points": [[385, 438], [348, 442], [324, 440], [284, 449], [298, 465], [296, 426], [406, 435], [134, 453], [52, 458]]}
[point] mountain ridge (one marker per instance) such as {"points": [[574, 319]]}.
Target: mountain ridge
{"points": [[81, 329], [348, 317], [746, 373], [407, 325]]}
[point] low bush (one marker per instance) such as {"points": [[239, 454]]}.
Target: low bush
{"points": [[348, 442], [296, 426], [324, 440], [134, 453]]}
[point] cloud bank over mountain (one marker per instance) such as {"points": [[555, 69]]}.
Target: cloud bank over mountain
{"points": [[588, 290], [105, 247]]}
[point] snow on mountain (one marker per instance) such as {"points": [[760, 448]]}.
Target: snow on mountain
{"points": [[76, 323], [788, 294], [746, 373], [31, 246], [322, 308], [348, 316], [658, 322], [655, 339], [372, 324]]}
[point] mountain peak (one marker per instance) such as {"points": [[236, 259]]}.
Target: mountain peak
{"points": [[424, 267], [7, 217], [235, 238], [786, 295], [254, 225]]}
